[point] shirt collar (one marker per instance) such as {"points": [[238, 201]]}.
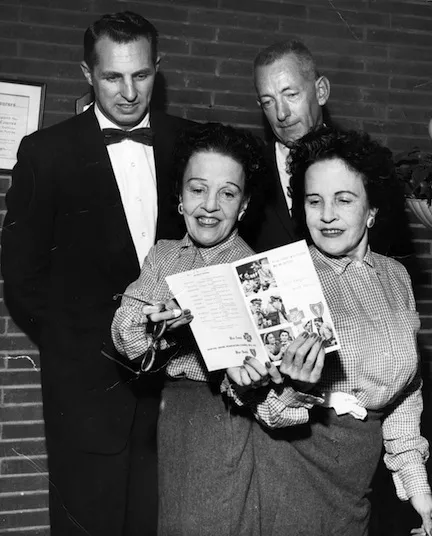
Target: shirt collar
{"points": [[104, 122], [209, 254], [340, 264]]}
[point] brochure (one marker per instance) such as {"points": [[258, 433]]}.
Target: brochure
{"points": [[255, 306]]}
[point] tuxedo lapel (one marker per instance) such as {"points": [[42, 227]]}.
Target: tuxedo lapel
{"points": [[102, 191]]}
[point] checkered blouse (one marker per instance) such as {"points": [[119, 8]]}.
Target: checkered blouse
{"points": [[169, 257], [373, 309]]}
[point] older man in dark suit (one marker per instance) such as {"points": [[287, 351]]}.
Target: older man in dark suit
{"points": [[291, 94], [89, 197]]}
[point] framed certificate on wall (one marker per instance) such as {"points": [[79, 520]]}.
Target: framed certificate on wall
{"points": [[21, 112]]}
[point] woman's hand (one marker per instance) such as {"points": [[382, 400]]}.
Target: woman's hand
{"points": [[169, 311], [253, 374], [422, 504], [303, 361]]}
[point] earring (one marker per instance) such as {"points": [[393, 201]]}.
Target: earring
{"points": [[370, 222], [241, 215], [180, 209]]}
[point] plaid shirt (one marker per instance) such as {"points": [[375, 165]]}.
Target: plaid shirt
{"points": [[373, 309], [169, 257]]}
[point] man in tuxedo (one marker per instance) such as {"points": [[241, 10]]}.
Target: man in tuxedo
{"points": [[291, 94], [89, 197]]}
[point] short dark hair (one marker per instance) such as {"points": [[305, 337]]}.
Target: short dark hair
{"points": [[240, 145], [122, 27], [299, 50], [367, 157]]}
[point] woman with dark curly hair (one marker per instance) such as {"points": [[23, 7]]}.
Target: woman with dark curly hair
{"points": [[206, 476], [331, 434]]}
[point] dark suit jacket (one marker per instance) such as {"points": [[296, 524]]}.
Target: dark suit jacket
{"points": [[66, 250], [268, 223]]}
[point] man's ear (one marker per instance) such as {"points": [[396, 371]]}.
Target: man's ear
{"points": [[322, 88], [157, 63], [86, 72]]}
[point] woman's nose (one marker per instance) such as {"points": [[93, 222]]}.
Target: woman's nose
{"points": [[211, 203], [328, 213]]}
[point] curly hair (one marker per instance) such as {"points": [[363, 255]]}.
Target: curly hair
{"points": [[367, 157], [240, 145], [123, 27]]}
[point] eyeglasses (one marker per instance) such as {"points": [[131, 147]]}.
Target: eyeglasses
{"points": [[147, 359]]}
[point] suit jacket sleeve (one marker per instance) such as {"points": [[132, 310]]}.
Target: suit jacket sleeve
{"points": [[27, 240]]}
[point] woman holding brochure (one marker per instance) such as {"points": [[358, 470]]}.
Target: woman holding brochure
{"points": [[206, 478], [323, 455]]}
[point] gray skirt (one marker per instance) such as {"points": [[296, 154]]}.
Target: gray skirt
{"points": [[314, 479], [207, 482]]}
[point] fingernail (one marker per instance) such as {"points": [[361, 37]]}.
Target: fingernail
{"points": [[267, 364], [176, 313], [313, 335], [247, 358], [186, 311], [305, 334]]}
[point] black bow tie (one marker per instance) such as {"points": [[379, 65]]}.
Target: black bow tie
{"points": [[116, 135]]}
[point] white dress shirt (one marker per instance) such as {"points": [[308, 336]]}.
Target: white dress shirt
{"points": [[134, 169], [282, 152]]}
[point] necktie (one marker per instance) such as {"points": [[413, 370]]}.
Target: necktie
{"points": [[116, 135]]}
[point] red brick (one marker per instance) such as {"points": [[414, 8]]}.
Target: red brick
{"points": [[348, 48], [356, 17], [54, 52], [21, 465], [10, 13], [409, 53], [393, 128], [169, 45], [408, 114], [189, 97], [358, 79], [336, 31], [24, 501], [56, 17], [11, 377], [39, 70], [338, 62], [223, 51], [411, 68], [423, 84], [356, 109], [239, 20], [31, 518], [76, 5], [21, 447], [285, 8], [8, 47], [21, 413], [23, 431], [398, 37], [187, 31], [419, 9], [411, 23], [43, 34], [237, 101], [187, 64], [36, 482], [23, 395], [15, 343]]}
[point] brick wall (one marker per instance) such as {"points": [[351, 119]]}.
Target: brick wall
{"points": [[376, 54]]}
